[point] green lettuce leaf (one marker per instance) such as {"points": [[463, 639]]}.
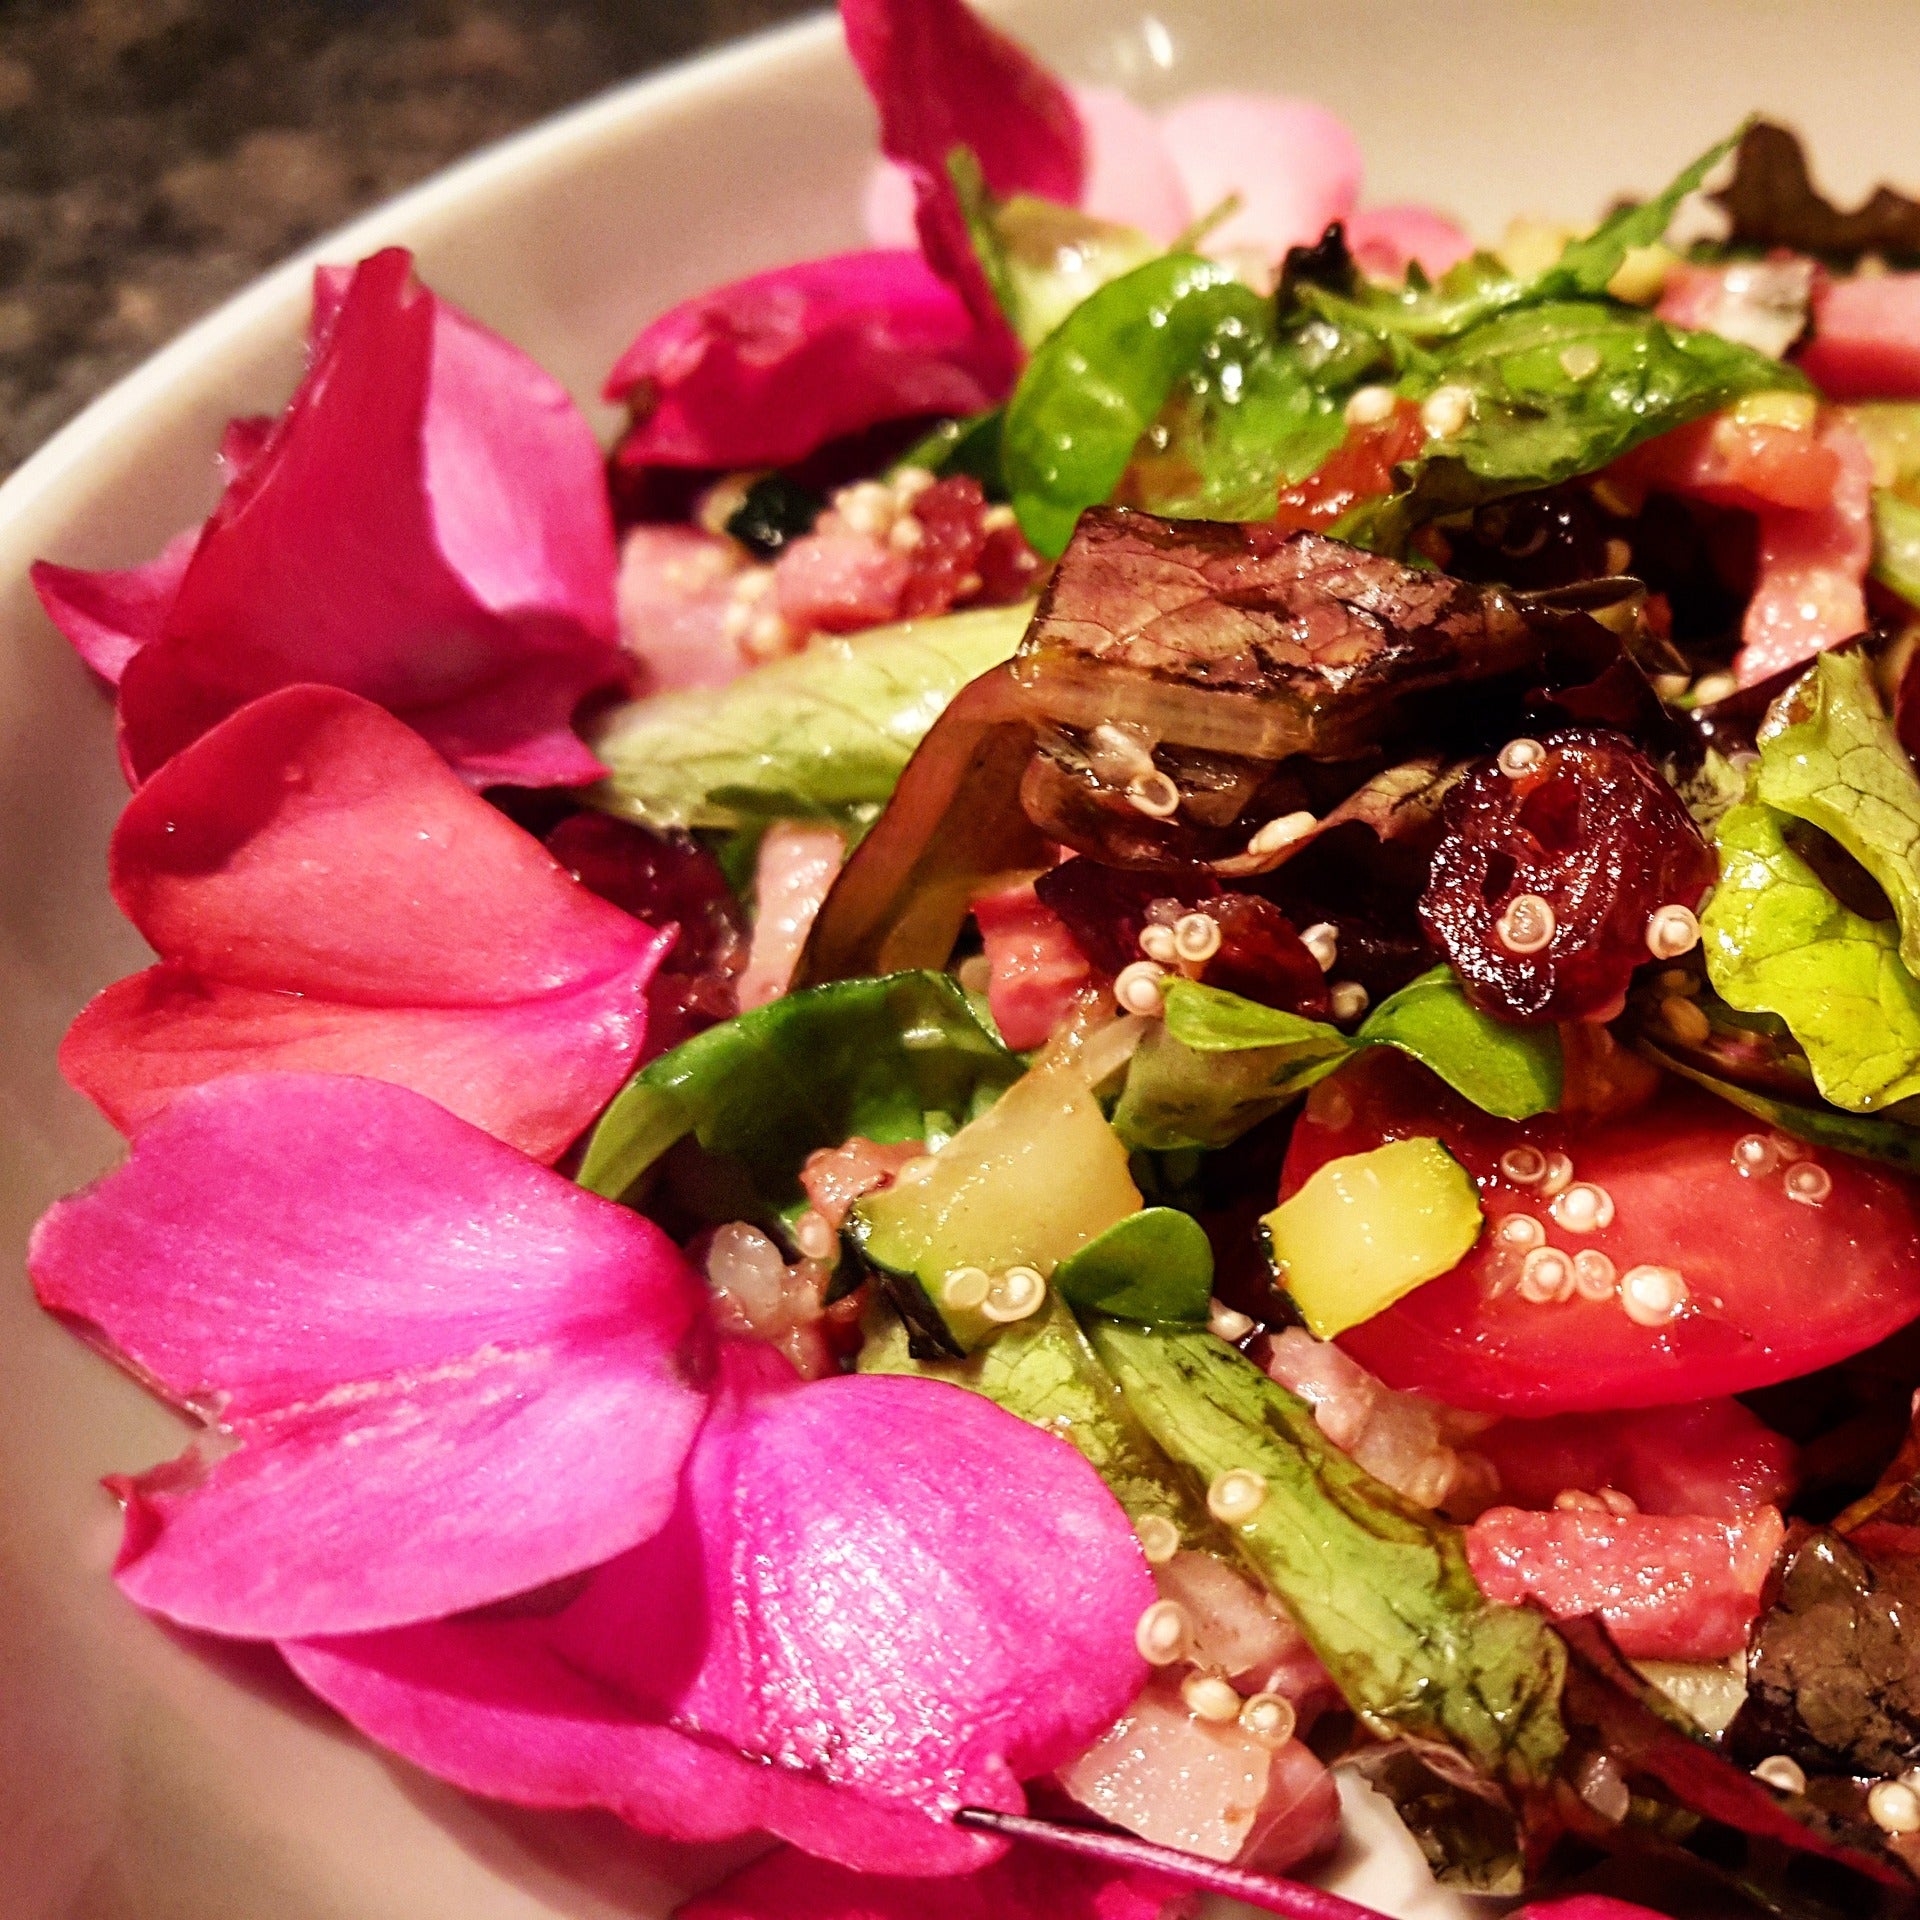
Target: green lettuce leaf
{"points": [[1380, 1588], [1829, 756], [1219, 1064], [1777, 941], [1156, 1265], [1044, 1371], [822, 734], [897, 1058]]}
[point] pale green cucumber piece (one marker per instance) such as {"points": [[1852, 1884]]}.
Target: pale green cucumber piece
{"points": [[1028, 1183], [1370, 1227]]}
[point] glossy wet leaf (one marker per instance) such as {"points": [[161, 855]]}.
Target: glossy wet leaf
{"points": [[1154, 1266], [889, 1059]]}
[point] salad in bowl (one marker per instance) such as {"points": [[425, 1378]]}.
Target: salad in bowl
{"points": [[1132, 1035]]}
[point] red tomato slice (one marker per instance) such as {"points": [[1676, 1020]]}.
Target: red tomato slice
{"points": [[1774, 1285]]}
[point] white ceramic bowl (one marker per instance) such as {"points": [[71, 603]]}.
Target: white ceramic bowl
{"points": [[142, 1778]]}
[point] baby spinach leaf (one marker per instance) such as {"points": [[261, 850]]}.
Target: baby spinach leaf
{"points": [[1155, 1265], [1219, 1064], [1098, 382], [1777, 941], [822, 734], [887, 1058], [1559, 389], [1830, 756], [1508, 1071], [1380, 1588]]}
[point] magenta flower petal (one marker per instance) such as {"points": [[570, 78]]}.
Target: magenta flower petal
{"points": [[1386, 241], [761, 372], [1294, 165], [942, 78], [109, 616], [325, 894], [1024, 1885], [426, 525], [442, 1373], [891, 1598]]}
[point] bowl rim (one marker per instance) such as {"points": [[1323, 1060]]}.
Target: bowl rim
{"points": [[279, 297]]}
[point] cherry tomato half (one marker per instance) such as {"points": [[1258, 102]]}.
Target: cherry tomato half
{"points": [[1776, 1260]]}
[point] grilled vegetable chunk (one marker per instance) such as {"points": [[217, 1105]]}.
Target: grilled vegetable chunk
{"points": [[1250, 640]]}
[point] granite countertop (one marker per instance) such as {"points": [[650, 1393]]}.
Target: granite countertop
{"points": [[156, 154]]}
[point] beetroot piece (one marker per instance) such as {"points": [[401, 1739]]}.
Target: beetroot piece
{"points": [[665, 880], [1260, 955], [1543, 885]]}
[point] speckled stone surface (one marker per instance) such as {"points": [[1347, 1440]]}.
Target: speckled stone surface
{"points": [[156, 154]]}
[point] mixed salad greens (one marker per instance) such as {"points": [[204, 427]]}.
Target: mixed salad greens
{"points": [[1141, 1027]]}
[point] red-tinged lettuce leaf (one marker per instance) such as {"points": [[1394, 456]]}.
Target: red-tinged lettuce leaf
{"points": [[1294, 166], [426, 525], [415, 1343], [109, 616], [1022, 1885], [764, 371], [326, 895], [1771, 201], [880, 1599], [943, 79], [1798, 1856]]}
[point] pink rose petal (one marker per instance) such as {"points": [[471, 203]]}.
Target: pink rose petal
{"points": [[109, 616], [1023, 1885], [762, 372], [1386, 241], [891, 1597], [426, 525], [1131, 178], [1293, 164], [1866, 338], [942, 78], [442, 1373], [325, 894]]}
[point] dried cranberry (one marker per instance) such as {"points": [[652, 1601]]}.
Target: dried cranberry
{"points": [[1260, 956], [665, 879], [1106, 908], [1543, 884]]}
